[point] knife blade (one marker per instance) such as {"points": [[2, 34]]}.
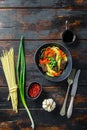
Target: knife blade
{"points": [[73, 93]]}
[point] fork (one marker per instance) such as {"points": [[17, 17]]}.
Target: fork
{"points": [[70, 81]]}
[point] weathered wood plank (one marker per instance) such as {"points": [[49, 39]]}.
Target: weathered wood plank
{"points": [[38, 20], [43, 3], [31, 46], [14, 121], [41, 23], [79, 59], [56, 92]]}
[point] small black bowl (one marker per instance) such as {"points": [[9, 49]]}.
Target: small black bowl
{"points": [[67, 69], [68, 37], [34, 90]]}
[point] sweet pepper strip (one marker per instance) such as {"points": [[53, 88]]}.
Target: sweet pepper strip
{"points": [[21, 78]]}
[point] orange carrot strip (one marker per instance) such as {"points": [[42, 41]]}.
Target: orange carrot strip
{"points": [[48, 52], [57, 73], [44, 61], [64, 55]]}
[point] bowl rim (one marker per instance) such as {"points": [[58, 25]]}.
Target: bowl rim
{"points": [[54, 79]]}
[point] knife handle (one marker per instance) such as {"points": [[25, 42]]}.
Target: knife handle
{"points": [[70, 108], [63, 109]]}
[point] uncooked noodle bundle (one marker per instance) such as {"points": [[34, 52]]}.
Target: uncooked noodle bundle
{"points": [[7, 60]]}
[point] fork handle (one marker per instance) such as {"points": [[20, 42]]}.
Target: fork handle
{"points": [[63, 109]]}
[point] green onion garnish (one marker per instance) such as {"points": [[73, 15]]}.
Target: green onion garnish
{"points": [[21, 78]]}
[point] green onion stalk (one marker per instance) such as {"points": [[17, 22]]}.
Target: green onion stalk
{"points": [[21, 78]]}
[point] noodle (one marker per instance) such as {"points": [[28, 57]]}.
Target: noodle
{"points": [[7, 60]]}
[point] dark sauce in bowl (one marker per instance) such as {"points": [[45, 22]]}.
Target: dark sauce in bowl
{"points": [[68, 37]]}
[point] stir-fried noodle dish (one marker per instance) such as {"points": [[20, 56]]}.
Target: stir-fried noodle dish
{"points": [[52, 61]]}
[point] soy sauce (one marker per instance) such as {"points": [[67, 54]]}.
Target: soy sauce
{"points": [[68, 36]]}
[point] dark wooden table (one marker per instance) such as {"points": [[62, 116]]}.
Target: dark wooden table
{"points": [[40, 22]]}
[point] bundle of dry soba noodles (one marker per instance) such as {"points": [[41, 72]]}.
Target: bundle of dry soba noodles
{"points": [[7, 60]]}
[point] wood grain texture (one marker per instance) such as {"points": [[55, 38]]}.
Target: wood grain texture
{"points": [[14, 121], [55, 92], [44, 3], [79, 59], [41, 23]]}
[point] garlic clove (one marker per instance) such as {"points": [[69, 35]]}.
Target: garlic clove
{"points": [[47, 101], [49, 109]]}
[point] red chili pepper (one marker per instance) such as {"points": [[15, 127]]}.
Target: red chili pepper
{"points": [[34, 90]]}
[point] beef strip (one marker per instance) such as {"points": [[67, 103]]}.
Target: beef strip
{"points": [[63, 64], [44, 68]]}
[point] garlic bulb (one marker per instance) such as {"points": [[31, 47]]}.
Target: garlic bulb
{"points": [[48, 104]]}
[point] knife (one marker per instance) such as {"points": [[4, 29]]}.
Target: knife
{"points": [[73, 93]]}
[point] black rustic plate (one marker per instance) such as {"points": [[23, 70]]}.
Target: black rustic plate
{"points": [[67, 69]]}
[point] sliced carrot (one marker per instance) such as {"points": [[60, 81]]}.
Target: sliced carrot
{"points": [[48, 52], [57, 73], [61, 53], [64, 55], [44, 61]]}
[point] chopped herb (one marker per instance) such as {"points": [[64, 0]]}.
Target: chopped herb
{"points": [[52, 62]]}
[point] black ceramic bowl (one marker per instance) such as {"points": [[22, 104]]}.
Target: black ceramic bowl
{"points": [[34, 90], [67, 69]]}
